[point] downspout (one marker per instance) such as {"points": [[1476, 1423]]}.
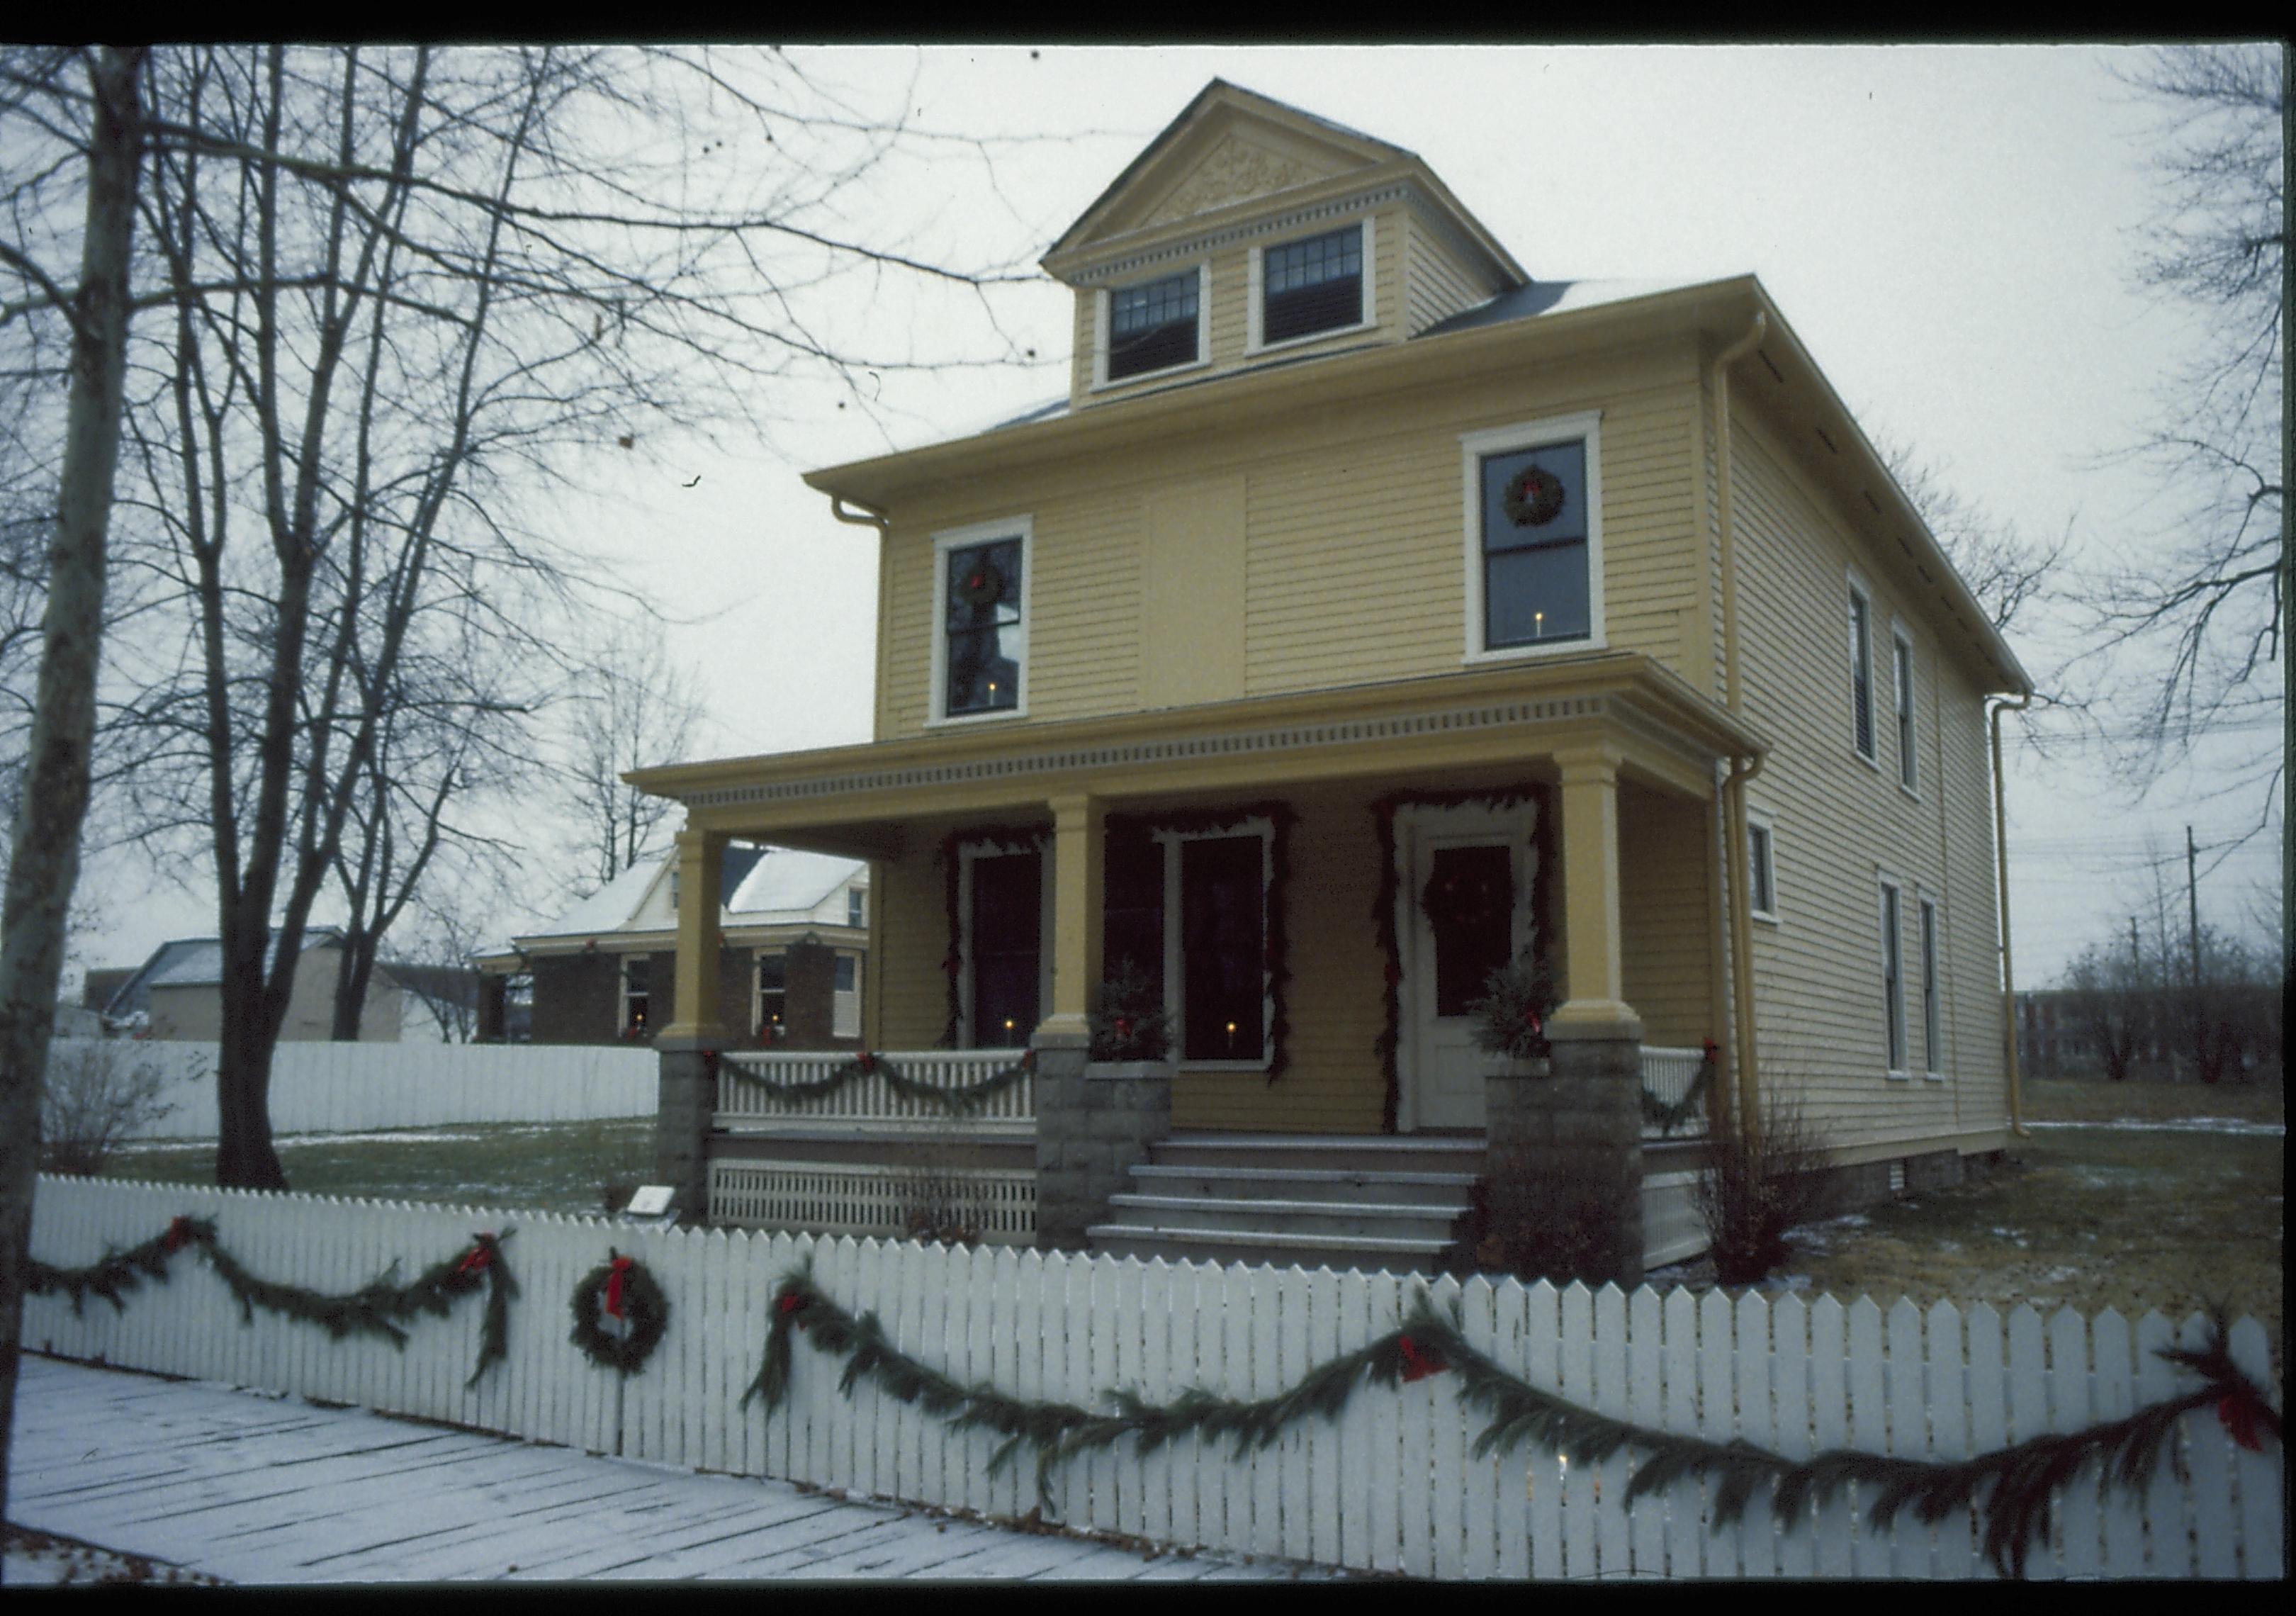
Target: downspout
{"points": [[1742, 769], [2001, 873], [873, 995], [860, 516]]}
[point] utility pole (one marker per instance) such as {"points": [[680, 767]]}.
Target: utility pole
{"points": [[2192, 906], [2139, 1020]]}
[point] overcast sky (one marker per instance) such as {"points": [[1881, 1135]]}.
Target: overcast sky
{"points": [[1947, 229]]}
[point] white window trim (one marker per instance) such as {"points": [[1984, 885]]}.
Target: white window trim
{"points": [[1175, 984], [966, 854], [622, 1000], [1473, 447], [1255, 302], [1022, 527], [1905, 709], [1929, 944], [1859, 590], [1101, 382], [1762, 820], [1894, 1020]]}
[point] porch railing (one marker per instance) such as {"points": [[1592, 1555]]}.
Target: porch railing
{"points": [[753, 1093], [1668, 1075]]}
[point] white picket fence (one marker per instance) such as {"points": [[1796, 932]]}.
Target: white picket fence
{"points": [[1388, 1485], [327, 1087]]}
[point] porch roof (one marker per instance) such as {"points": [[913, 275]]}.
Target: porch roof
{"points": [[852, 800]]}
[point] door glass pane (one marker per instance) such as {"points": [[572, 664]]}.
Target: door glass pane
{"points": [[1469, 900], [1007, 913], [1222, 928]]}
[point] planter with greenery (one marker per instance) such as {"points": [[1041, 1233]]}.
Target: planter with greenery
{"points": [[1510, 1020]]}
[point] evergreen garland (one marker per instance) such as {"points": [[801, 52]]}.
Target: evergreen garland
{"points": [[1666, 1115], [954, 1101], [2009, 1488], [378, 1308]]}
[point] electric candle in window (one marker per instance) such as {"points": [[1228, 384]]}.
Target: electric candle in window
{"points": [[1539, 625], [1231, 1038], [1008, 1026]]}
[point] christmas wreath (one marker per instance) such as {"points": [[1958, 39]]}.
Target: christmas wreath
{"points": [[620, 1290], [980, 586], [1533, 497], [1468, 902]]}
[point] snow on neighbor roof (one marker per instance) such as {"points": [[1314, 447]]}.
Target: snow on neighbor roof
{"points": [[788, 881], [192, 962], [608, 907]]}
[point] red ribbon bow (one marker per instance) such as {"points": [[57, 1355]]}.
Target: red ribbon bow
{"points": [[865, 1061], [614, 1278], [474, 1260], [2239, 1418], [1420, 1362], [178, 1234], [793, 1302]]}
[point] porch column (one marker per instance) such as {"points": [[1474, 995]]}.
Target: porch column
{"points": [[687, 1048], [1079, 826], [1593, 963]]}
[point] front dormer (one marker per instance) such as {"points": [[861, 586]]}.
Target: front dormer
{"points": [[1251, 233]]}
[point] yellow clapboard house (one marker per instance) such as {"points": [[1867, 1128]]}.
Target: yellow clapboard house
{"points": [[1371, 614]]}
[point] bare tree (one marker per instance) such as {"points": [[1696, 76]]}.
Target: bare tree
{"points": [[99, 1093], [2112, 1005], [631, 706], [2189, 624], [2009, 573], [44, 862], [399, 297]]}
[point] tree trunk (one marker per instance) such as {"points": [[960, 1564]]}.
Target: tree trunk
{"points": [[351, 982], [45, 862], [245, 1157]]}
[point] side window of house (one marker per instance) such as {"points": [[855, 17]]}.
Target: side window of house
{"points": [[637, 1000], [1761, 869], [983, 626], [1535, 543], [845, 1006], [1933, 1020], [1893, 977], [773, 997], [1312, 286], [1152, 326], [1901, 661], [854, 912], [1861, 672]]}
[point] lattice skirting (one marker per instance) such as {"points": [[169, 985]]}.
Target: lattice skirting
{"points": [[995, 1208]]}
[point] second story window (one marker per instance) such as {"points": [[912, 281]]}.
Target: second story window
{"points": [[1861, 672], [1152, 326], [1534, 539], [981, 595], [1901, 660], [1311, 286]]}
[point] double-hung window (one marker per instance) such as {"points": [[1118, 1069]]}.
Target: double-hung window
{"points": [[1861, 671], [981, 602], [773, 997], [1153, 325], [637, 1000], [1901, 663], [1761, 869], [1534, 538], [1893, 977], [1186, 916], [1933, 1018], [1312, 286]]}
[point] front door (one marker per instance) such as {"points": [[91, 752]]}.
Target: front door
{"points": [[1468, 900]]}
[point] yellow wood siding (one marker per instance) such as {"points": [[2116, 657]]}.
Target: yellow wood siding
{"points": [[1662, 915], [1192, 592], [1842, 823], [1437, 283], [909, 990]]}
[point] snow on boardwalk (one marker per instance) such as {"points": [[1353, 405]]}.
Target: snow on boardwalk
{"points": [[255, 1488]]}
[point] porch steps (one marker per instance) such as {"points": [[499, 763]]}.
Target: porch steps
{"points": [[1315, 1199]]}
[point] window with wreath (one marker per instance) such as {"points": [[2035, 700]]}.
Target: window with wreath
{"points": [[1152, 326], [1312, 286], [984, 633], [1534, 539]]}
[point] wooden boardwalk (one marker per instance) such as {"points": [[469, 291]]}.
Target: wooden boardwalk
{"points": [[251, 1487]]}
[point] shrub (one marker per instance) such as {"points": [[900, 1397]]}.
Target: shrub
{"points": [[935, 1198], [1128, 1019], [1511, 1017], [99, 1094], [1751, 1192], [1551, 1223]]}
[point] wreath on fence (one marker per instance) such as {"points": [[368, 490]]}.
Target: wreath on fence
{"points": [[620, 1290]]}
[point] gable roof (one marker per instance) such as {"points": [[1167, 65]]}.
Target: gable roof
{"points": [[1231, 149], [194, 962], [760, 886]]}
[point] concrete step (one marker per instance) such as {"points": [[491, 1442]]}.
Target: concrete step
{"points": [[1329, 1153], [1367, 1254], [1368, 1188], [1338, 1217]]}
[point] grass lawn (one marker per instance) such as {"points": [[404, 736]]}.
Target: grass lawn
{"points": [[2088, 1215], [554, 1166]]}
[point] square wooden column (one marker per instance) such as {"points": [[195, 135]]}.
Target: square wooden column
{"points": [[1593, 966], [1079, 826], [700, 874]]}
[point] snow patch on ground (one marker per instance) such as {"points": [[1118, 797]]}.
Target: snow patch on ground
{"points": [[422, 1135], [2179, 1125]]}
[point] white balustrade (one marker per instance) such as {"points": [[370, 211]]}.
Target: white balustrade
{"points": [[1667, 1075], [870, 1103]]}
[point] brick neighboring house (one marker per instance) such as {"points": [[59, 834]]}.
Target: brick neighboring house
{"points": [[794, 926], [177, 994]]}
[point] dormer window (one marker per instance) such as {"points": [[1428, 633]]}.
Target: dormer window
{"points": [[1313, 286], [980, 603], [1153, 327]]}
